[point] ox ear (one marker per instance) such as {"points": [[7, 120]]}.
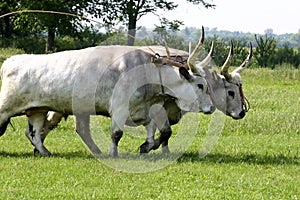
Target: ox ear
{"points": [[185, 73]]}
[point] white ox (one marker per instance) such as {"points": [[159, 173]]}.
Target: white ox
{"points": [[116, 81], [226, 92], [227, 95]]}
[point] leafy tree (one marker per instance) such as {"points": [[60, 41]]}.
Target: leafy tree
{"points": [[166, 32], [287, 55], [221, 49], [6, 27], [52, 24], [129, 12], [265, 50], [240, 52], [296, 39]]}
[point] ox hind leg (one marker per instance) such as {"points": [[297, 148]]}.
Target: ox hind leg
{"points": [[116, 134], [52, 120], [36, 120], [83, 130], [118, 121]]}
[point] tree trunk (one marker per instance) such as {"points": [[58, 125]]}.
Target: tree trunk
{"points": [[7, 29], [131, 37], [50, 40], [131, 30]]}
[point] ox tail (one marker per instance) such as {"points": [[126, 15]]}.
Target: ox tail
{"points": [[3, 127]]}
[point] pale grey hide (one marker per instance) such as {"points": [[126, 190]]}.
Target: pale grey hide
{"points": [[227, 96], [116, 81]]}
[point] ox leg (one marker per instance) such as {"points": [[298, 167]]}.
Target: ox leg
{"points": [[149, 143], [164, 140], [83, 130], [116, 133], [115, 138], [52, 120], [153, 144], [33, 132], [159, 119], [162, 122]]}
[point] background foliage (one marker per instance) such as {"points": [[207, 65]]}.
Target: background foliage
{"points": [[40, 32]]}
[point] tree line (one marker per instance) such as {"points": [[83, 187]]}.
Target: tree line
{"points": [[44, 32], [111, 12], [270, 50]]}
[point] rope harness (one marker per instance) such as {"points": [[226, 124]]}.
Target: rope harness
{"points": [[211, 91], [245, 102], [179, 61]]}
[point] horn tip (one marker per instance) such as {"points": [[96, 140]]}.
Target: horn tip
{"points": [[202, 34]]}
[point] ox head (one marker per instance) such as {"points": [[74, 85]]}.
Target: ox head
{"points": [[199, 80], [193, 76], [227, 87], [199, 95]]}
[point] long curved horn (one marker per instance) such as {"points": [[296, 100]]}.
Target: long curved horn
{"points": [[246, 61], [192, 58], [224, 69], [206, 61]]}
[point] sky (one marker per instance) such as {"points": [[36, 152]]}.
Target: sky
{"points": [[253, 16]]}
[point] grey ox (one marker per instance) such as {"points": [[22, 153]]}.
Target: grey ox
{"points": [[226, 91], [128, 84]]}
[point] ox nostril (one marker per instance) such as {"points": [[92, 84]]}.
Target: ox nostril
{"points": [[242, 114], [211, 110]]}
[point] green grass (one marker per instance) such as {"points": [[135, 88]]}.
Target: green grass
{"points": [[257, 157]]}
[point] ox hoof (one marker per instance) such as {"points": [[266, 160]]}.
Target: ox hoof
{"points": [[96, 152], [165, 150], [113, 154], [144, 148], [45, 152], [113, 151]]}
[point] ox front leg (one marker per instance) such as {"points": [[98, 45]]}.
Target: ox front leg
{"points": [[83, 130], [164, 140], [159, 117], [33, 132], [149, 143]]}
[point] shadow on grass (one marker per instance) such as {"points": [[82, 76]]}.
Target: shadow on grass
{"points": [[67, 155], [257, 159]]}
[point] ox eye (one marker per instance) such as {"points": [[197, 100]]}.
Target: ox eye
{"points": [[200, 86], [231, 93]]}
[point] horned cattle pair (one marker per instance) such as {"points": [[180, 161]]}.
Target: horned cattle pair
{"points": [[132, 85]]}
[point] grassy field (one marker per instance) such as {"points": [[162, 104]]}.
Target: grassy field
{"points": [[257, 157]]}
